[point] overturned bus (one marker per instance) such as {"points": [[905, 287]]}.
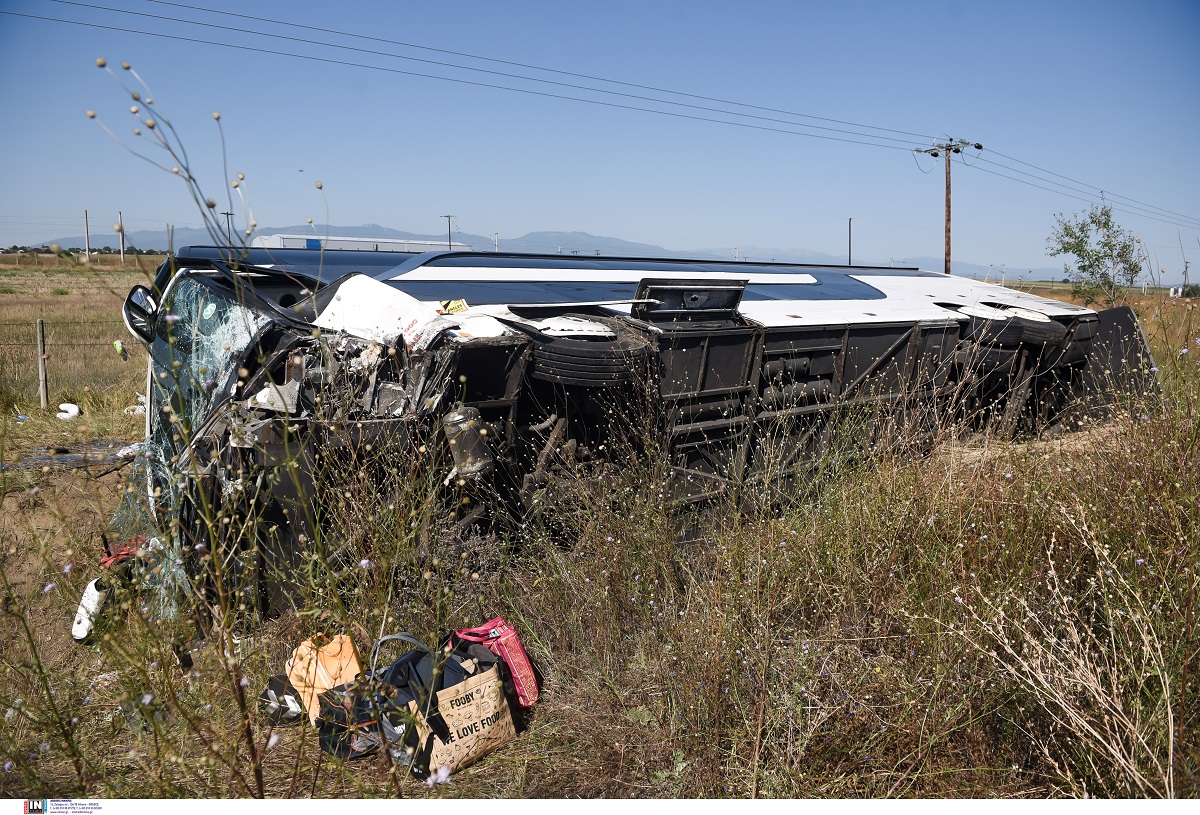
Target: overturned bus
{"points": [[489, 373]]}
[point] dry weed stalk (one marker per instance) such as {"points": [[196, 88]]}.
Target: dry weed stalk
{"points": [[1092, 660]]}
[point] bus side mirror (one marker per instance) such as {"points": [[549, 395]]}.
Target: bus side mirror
{"points": [[139, 311]]}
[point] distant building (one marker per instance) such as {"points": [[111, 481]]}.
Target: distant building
{"points": [[355, 244]]}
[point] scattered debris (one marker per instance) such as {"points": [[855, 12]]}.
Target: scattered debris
{"points": [[436, 711], [68, 411], [89, 606], [280, 702], [76, 455], [139, 409]]}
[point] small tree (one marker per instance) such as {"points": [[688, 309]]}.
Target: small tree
{"points": [[1106, 257]]}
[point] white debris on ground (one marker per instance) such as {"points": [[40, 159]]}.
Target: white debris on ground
{"points": [[139, 409]]}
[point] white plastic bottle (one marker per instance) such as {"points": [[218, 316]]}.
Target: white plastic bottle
{"points": [[89, 606]]}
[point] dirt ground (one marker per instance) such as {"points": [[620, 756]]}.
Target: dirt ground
{"points": [[50, 525]]}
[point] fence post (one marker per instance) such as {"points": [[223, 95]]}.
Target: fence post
{"points": [[43, 386]]}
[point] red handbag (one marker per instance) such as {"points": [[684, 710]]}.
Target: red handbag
{"points": [[501, 639]]}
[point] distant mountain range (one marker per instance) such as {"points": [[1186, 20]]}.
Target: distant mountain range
{"points": [[579, 243]]}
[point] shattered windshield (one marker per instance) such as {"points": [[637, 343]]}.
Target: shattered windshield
{"points": [[201, 334]]}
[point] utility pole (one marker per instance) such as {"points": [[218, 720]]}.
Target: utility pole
{"points": [[850, 242], [87, 239], [448, 222], [496, 236], [228, 228], [121, 224], [948, 147]]}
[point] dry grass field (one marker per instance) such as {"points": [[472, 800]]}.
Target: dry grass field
{"points": [[999, 619], [80, 306]]}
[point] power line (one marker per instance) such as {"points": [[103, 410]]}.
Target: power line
{"points": [[539, 68], [503, 74], [1106, 192], [1132, 207], [1151, 212], [593, 78], [349, 64], [1092, 200]]}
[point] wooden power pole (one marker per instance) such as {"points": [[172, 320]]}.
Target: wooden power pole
{"points": [[949, 147]]}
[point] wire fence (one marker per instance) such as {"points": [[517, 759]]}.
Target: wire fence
{"points": [[97, 260], [80, 355], [4, 327]]}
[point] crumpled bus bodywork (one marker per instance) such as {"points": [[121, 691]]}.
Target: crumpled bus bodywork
{"points": [[490, 372]]}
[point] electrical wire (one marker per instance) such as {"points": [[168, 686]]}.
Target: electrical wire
{"points": [[1154, 213], [493, 86], [539, 68], [1148, 211], [1133, 206], [1091, 186], [506, 75], [917, 161], [1122, 208]]}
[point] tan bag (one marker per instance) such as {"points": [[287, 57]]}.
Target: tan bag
{"points": [[313, 669], [471, 720]]}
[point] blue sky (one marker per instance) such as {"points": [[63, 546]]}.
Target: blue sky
{"points": [[1105, 94]]}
